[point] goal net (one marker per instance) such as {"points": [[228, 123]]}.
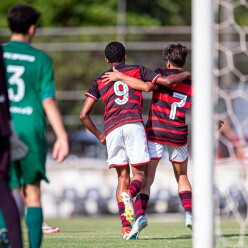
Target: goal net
{"points": [[231, 88], [220, 71]]}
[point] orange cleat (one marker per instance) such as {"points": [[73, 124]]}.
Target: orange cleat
{"points": [[125, 232]]}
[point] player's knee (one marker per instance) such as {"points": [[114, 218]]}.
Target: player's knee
{"points": [[32, 195], [183, 174], [124, 179]]}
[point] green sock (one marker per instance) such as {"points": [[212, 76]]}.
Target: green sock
{"points": [[34, 219], [2, 221]]}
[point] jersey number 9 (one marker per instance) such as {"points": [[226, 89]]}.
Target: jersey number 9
{"points": [[121, 90]]}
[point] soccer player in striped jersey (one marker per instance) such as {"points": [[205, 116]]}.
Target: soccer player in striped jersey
{"points": [[124, 132], [166, 129]]}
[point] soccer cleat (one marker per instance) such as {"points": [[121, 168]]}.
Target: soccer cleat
{"points": [[189, 220], [125, 231], [139, 225], [128, 202], [4, 242], [48, 229]]}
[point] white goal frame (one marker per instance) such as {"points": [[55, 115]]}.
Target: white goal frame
{"points": [[202, 123]]}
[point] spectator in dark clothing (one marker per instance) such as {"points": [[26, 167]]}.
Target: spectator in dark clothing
{"points": [[7, 203]]}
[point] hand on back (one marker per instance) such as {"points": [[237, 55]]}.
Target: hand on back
{"points": [[111, 76]]}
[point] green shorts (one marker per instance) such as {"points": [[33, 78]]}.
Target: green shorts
{"points": [[28, 170]]}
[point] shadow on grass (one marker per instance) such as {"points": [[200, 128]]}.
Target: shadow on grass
{"points": [[233, 235], [168, 237]]}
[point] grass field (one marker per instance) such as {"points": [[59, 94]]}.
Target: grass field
{"points": [[163, 231]]}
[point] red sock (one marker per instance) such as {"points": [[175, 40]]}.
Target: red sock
{"points": [[134, 187], [124, 222], [186, 199], [141, 204]]}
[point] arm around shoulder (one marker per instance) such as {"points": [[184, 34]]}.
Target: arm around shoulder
{"points": [[132, 82], [174, 78]]}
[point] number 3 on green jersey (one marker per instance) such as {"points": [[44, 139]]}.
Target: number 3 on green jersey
{"points": [[17, 91]]}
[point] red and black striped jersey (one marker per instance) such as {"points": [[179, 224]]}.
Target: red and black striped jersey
{"points": [[122, 104], [166, 120]]}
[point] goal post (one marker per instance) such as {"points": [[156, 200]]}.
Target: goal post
{"points": [[202, 123]]}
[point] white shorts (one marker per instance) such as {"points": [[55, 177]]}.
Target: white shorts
{"points": [[126, 145], [177, 154]]}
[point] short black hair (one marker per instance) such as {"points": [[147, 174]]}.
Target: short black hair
{"points": [[21, 18], [115, 52], [176, 54]]}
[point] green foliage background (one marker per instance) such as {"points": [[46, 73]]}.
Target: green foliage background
{"points": [[76, 70], [104, 13]]}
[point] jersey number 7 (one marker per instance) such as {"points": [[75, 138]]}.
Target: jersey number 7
{"points": [[176, 105]]}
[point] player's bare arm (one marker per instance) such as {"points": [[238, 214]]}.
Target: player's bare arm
{"points": [[173, 79], [133, 82], [87, 122], [145, 86], [61, 147]]}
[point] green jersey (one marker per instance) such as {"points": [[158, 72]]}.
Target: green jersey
{"points": [[30, 81]]}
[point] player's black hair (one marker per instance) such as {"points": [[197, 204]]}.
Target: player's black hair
{"points": [[21, 18], [115, 52], [176, 54]]}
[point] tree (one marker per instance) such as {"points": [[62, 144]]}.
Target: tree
{"points": [[66, 13]]}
